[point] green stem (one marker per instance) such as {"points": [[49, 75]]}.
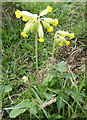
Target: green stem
{"points": [[36, 53], [52, 56]]}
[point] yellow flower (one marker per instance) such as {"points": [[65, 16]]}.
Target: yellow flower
{"points": [[55, 21], [49, 9], [71, 35], [24, 19], [60, 44], [50, 29], [67, 42], [18, 13], [41, 40], [24, 34]]}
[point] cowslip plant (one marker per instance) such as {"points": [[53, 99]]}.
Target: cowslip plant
{"points": [[35, 23], [60, 40]]}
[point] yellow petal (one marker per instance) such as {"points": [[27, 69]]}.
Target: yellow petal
{"points": [[49, 9], [55, 21], [67, 42], [71, 35], [50, 29], [18, 13], [24, 34], [60, 44], [24, 19], [41, 40]]}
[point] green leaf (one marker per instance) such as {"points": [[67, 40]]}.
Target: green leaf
{"points": [[7, 88], [33, 109], [61, 67], [19, 108]]}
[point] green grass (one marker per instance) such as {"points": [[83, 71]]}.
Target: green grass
{"points": [[18, 60]]}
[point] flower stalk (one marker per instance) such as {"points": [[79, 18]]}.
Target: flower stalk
{"points": [[36, 53], [52, 55]]}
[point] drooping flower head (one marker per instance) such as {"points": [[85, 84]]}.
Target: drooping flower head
{"points": [[60, 37], [35, 23]]}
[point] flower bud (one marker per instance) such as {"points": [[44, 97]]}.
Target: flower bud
{"points": [[44, 12], [28, 15], [45, 24], [40, 30], [63, 33], [48, 20], [33, 27], [25, 79], [27, 27]]}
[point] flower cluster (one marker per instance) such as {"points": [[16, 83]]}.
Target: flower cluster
{"points": [[36, 22], [60, 37]]}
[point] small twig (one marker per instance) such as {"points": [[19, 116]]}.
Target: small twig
{"points": [[47, 103], [10, 98], [75, 43], [72, 79]]}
